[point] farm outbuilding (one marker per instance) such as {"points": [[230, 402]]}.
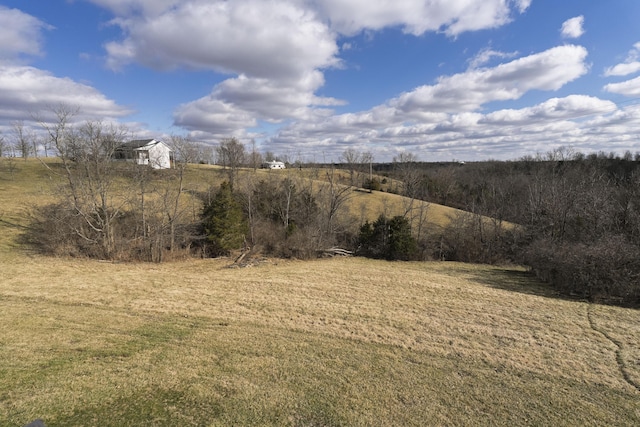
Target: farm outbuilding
{"points": [[152, 152], [274, 165]]}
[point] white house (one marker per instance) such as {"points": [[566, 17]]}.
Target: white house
{"points": [[152, 152], [274, 165]]}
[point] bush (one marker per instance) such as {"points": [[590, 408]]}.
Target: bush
{"points": [[57, 230], [372, 184]]}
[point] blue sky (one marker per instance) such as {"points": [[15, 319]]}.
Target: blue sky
{"points": [[442, 79]]}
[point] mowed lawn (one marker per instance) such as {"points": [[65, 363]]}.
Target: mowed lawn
{"points": [[349, 341]]}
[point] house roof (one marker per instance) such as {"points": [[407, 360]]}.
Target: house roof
{"points": [[139, 143]]}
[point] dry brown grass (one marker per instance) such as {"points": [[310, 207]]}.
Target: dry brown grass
{"points": [[369, 206], [23, 185], [332, 342], [329, 342]]}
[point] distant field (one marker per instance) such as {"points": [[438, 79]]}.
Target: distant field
{"points": [[339, 342]]}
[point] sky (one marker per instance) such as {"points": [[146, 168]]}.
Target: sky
{"points": [[308, 79]]}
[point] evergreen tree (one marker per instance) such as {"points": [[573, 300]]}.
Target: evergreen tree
{"points": [[224, 223], [387, 239], [401, 244]]}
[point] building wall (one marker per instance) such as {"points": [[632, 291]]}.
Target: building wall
{"points": [[159, 157]]}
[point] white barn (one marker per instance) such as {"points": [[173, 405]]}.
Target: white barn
{"points": [[152, 152], [274, 165]]}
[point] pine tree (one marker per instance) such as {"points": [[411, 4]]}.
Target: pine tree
{"points": [[387, 239], [224, 222]]}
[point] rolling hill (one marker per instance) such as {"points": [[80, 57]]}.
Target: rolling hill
{"points": [[347, 341]]}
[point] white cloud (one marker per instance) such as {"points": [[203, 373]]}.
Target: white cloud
{"points": [[24, 90], [623, 69], [274, 102], [486, 55], [570, 107], [522, 5], [352, 16], [573, 28], [444, 118], [27, 89], [242, 101], [20, 34], [630, 66], [627, 88], [276, 39], [450, 16], [548, 70], [217, 118]]}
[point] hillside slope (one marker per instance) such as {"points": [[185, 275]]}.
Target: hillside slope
{"points": [[35, 181]]}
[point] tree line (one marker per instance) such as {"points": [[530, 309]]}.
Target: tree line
{"points": [[573, 218]]}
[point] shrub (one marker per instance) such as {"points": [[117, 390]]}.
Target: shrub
{"points": [[372, 184]]}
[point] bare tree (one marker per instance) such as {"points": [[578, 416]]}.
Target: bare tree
{"points": [[86, 153], [444, 184], [8, 163], [115, 210], [57, 130], [269, 156], [207, 154], [185, 152], [255, 158], [561, 154], [231, 153], [366, 166], [409, 173], [45, 142], [35, 142], [334, 197], [406, 166], [351, 159], [247, 193], [21, 139]]}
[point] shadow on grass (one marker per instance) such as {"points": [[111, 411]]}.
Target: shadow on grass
{"points": [[523, 282], [527, 283]]}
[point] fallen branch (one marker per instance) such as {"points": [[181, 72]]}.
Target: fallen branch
{"points": [[331, 252]]}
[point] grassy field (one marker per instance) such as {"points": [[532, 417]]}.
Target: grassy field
{"points": [[322, 343]]}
